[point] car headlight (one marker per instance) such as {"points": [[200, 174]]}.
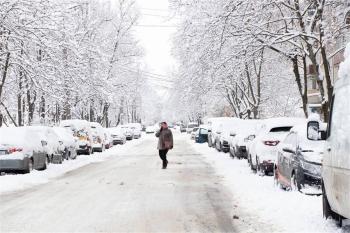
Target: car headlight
{"points": [[312, 168]]}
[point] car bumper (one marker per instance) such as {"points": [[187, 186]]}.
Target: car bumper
{"points": [[56, 158], [312, 179], [83, 150], [13, 165], [267, 166], [118, 141]]}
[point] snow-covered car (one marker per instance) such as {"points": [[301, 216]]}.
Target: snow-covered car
{"points": [[137, 133], [150, 129], [118, 137], [202, 134], [213, 125], [22, 150], [81, 130], [128, 132], [68, 143], [299, 160], [98, 137], [182, 128], [194, 132], [223, 133], [336, 160], [51, 142], [242, 136], [190, 126], [263, 149]]}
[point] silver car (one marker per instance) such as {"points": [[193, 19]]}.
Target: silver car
{"points": [[22, 150]]}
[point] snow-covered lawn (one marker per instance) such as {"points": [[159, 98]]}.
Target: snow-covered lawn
{"points": [[13, 182], [289, 211]]}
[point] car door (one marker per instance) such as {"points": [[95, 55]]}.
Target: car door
{"points": [[286, 158], [292, 157]]}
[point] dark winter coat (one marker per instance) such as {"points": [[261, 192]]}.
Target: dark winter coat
{"points": [[165, 140]]}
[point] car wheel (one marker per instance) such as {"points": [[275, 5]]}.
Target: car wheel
{"points": [[259, 170], [251, 163], [47, 161], [275, 175], [296, 181], [30, 166]]}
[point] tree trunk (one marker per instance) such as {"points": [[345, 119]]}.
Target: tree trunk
{"points": [[4, 73], [299, 84]]}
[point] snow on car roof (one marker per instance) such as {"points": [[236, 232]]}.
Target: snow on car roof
{"points": [[76, 124], [22, 137]]}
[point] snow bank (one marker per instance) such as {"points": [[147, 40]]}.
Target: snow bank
{"points": [[344, 69], [258, 196], [10, 183]]}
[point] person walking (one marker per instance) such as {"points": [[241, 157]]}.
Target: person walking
{"points": [[165, 142]]}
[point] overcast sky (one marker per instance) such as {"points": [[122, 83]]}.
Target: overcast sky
{"points": [[154, 33]]}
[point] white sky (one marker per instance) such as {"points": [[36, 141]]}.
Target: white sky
{"points": [[155, 35]]}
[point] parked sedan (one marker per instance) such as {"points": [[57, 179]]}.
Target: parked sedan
{"points": [[299, 159], [118, 137], [22, 150], [51, 145], [81, 130], [98, 137], [241, 137], [194, 132], [202, 134], [68, 143], [263, 151]]}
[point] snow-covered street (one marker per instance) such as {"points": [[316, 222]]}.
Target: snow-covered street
{"points": [[125, 190]]}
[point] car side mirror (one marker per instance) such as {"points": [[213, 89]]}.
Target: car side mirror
{"points": [[313, 128], [288, 148], [209, 130]]}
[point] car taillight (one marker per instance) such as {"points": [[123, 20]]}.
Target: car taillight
{"points": [[13, 150], [271, 143]]}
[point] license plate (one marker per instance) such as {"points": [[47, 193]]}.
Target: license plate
{"points": [[3, 152]]}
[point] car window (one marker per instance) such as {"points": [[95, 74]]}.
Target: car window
{"points": [[203, 131], [280, 129]]}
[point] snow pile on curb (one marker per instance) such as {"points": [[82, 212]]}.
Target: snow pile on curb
{"points": [[10, 183], [258, 196]]}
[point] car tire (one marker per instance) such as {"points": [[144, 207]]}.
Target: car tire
{"points": [[295, 181], [47, 161], [251, 163], [258, 168], [275, 175], [30, 166]]}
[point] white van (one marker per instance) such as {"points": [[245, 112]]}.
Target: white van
{"points": [[336, 161]]}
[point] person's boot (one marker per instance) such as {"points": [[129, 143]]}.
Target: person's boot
{"points": [[164, 165]]}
